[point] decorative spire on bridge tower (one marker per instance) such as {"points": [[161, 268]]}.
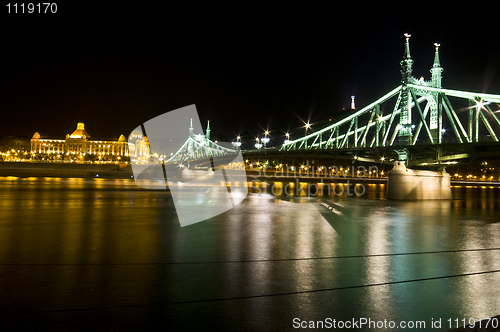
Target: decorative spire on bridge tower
{"points": [[190, 147], [436, 69], [407, 62], [436, 108], [405, 129], [207, 133]]}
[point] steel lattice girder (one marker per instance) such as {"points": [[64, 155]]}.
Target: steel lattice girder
{"points": [[441, 100], [345, 120], [207, 149]]}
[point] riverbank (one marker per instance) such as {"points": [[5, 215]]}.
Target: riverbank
{"points": [[65, 170], [124, 171]]}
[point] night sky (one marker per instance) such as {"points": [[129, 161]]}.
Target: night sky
{"points": [[247, 69]]}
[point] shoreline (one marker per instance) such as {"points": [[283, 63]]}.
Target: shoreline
{"points": [[66, 170], [124, 171]]}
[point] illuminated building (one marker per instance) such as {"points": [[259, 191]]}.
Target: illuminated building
{"points": [[79, 146], [13, 148], [138, 146], [18, 144]]}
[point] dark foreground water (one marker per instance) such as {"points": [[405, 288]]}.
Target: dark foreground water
{"points": [[94, 254]]}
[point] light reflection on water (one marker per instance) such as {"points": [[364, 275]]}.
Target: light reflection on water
{"points": [[357, 189], [98, 243]]}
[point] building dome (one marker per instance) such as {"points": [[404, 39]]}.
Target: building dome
{"points": [[80, 131], [135, 134], [36, 135], [122, 138]]}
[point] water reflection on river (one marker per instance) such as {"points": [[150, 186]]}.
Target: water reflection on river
{"points": [[96, 253]]}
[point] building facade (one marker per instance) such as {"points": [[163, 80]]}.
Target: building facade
{"points": [[79, 146], [14, 144], [138, 146]]}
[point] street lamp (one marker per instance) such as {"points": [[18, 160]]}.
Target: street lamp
{"points": [[237, 144], [257, 145], [307, 126], [287, 140], [265, 140]]}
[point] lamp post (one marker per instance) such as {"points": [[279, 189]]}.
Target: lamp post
{"points": [[237, 144], [287, 140], [257, 145], [265, 139], [307, 127]]}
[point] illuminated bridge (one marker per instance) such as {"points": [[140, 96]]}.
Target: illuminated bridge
{"points": [[418, 123], [199, 147], [415, 123]]}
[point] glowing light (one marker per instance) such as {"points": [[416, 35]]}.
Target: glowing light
{"points": [[481, 104]]}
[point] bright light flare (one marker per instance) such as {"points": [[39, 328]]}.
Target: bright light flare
{"points": [[481, 104]]}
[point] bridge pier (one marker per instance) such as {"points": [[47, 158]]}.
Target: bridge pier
{"points": [[415, 185]]}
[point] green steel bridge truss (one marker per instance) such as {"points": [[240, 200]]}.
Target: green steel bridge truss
{"points": [[194, 149], [430, 106]]}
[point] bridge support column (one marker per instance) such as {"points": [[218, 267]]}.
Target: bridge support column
{"points": [[402, 155], [415, 185]]}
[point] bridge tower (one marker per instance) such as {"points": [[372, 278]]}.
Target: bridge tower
{"points": [[207, 132], [190, 147], [436, 69], [406, 78], [436, 110]]}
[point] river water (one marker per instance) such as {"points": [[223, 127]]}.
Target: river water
{"points": [[102, 254]]}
